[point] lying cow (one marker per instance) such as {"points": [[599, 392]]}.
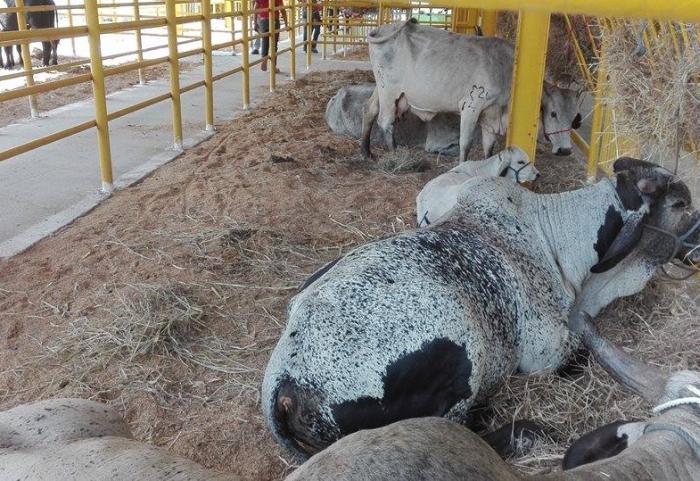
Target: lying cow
{"points": [[662, 448], [345, 109], [428, 322], [426, 71], [80, 440], [440, 195]]}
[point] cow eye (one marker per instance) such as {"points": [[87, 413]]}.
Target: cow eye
{"points": [[679, 204], [521, 162], [554, 115]]}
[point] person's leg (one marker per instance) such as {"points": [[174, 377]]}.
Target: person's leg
{"points": [[316, 31], [264, 28]]}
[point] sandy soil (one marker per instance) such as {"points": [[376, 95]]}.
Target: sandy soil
{"points": [[17, 109], [167, 299]]}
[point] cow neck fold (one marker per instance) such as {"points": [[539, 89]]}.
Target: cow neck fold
{"points": [[569, 223]]}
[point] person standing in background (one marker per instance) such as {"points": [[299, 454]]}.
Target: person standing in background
{"points": [[262, 20], [315, 21]]}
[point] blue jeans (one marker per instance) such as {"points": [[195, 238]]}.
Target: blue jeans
{"points": [[264, 24]]}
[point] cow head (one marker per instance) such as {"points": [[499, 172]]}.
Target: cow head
{"points": [[515, 165], [661, 218], [559, 115], [389, 31]]}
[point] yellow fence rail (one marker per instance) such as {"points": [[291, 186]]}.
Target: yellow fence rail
{"points": [[345, 24]]}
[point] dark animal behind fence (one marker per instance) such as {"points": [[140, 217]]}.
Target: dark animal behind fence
{"points": [[35, 20]]}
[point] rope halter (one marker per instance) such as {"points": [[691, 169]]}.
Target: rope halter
{"points": [[679, 241], [547, 134], [681, 432], [517, 171]]}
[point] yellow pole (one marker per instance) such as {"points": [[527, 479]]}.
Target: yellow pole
{"points": [[596, 126], [171, 19], [272, 53], [326, 21], [233, 29], [26, 58], [293, 39], [208, 66], [489, 23], [528, 76], [308, 28], [70, 24], [139, 44], [246, 52], [98, 92]]}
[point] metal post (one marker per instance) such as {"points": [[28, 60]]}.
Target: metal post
{"points": [[272, 53], [26, 58], [98, 91], [233, 28], [171, 18], [596, 126], [208, 66], [307, 44], [326, 21], [489, 23], [70, 24], [528, 77], [139, 44], [293, 39], [246, 53]]}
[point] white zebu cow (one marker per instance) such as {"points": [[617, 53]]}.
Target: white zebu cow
{"points": [[427, 71], [81, 440], [430, 321], [440, 195]]}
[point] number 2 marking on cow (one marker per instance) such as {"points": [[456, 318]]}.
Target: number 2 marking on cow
{"points": [[477, 92]]}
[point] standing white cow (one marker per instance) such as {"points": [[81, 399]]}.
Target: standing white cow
{"points": [[440, 195], [426, 70]]}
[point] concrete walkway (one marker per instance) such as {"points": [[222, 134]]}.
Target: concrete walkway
{"points": [[45, 189]]}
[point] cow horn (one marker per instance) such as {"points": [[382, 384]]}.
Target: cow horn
{"points": [[639, 377]]}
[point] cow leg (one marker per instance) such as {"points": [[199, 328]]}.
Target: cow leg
{"points": [[369, 116], [54, 52], [19, 54], [10, 58], [489, 122], [46, 53], [386, 122], [467, 123]]}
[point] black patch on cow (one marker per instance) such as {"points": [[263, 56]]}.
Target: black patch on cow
{"points": [[608, 231], [318, 274], [628, 192], [427, 382], [601, 443]]}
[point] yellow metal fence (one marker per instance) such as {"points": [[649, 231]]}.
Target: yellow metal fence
{"points": [[188, 26]]}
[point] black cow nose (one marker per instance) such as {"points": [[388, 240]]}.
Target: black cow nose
{"points": [[563, 152], [537, 176]]}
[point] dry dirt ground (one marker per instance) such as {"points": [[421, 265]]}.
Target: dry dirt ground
{"points": [[18, 109], [167, 299]]}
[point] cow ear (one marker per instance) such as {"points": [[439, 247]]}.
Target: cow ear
{"points": [[624, 241], [502, 167], [576, 122]]}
